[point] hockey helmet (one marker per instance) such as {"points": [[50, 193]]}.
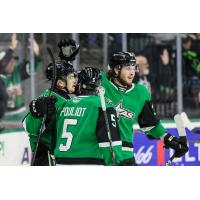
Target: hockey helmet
{"points": [[120, 59], [89, 79], [63, 68]]}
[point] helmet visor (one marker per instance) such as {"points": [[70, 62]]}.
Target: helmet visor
{"points": [[131, 66]]}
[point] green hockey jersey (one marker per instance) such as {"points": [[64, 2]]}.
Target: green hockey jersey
{"points": [[132, 106], [82, 136], [32, 125]]}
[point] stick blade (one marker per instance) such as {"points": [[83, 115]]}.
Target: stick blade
{"points": [[187, 121], [180, 125]]}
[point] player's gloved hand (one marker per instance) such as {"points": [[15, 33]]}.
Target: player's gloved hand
{"points": [[178, 144], [68, 49], [43, 106]]}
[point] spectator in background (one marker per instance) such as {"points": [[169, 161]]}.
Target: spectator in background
{"points": [[92, 40], [166, 73], [12, 73], [143, 76], [191, 63], [3, 101], [115, 43], [191, 71]]}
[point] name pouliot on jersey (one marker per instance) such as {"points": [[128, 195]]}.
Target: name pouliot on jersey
{"points": [[73, 111]]}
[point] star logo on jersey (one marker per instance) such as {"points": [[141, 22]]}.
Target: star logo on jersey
{"points": [[121, 112]]}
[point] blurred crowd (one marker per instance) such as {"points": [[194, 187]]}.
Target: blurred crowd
{"points": [[156, 56], [158, 74], [13, 71], [157, 65]]}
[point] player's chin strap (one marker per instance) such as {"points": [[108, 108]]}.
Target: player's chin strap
{"points": [[64, 89], [42, 127], [181, 132]]}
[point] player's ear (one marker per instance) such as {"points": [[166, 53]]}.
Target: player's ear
{"points": [[116, 71], [60, 84]]}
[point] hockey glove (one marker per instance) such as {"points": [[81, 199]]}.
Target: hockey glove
{"points": [[178, 144], [43, 106], [68, 49]]}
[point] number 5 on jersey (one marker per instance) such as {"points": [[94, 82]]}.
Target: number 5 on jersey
{"points": [[113, 120], [66, 134]]}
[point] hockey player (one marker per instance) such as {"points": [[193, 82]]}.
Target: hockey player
{"points": [[133, 104], [82, 136], [45, 105]]}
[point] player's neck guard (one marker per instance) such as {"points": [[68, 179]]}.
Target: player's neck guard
{"points": [[122, 88]]}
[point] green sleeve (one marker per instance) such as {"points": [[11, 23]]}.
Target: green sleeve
{"points": [[32, 126], [158, 131]]}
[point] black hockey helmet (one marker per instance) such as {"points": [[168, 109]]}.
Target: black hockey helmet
{"points": [[120, 59], [63, 68], [89, 79]]}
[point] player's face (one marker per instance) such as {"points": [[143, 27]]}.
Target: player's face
{"points": [[127, 74], [71, 83], [10, 67]]}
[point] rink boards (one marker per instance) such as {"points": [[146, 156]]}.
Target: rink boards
{"points": [[15, 149]]}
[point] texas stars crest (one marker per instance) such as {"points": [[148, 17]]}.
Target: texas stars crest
{"points": [[121, 112]]}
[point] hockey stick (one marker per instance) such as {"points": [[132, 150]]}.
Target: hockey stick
{"points": [[170, 160], [181, 132], [45, 117], [103, 105], [189, 124]]}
